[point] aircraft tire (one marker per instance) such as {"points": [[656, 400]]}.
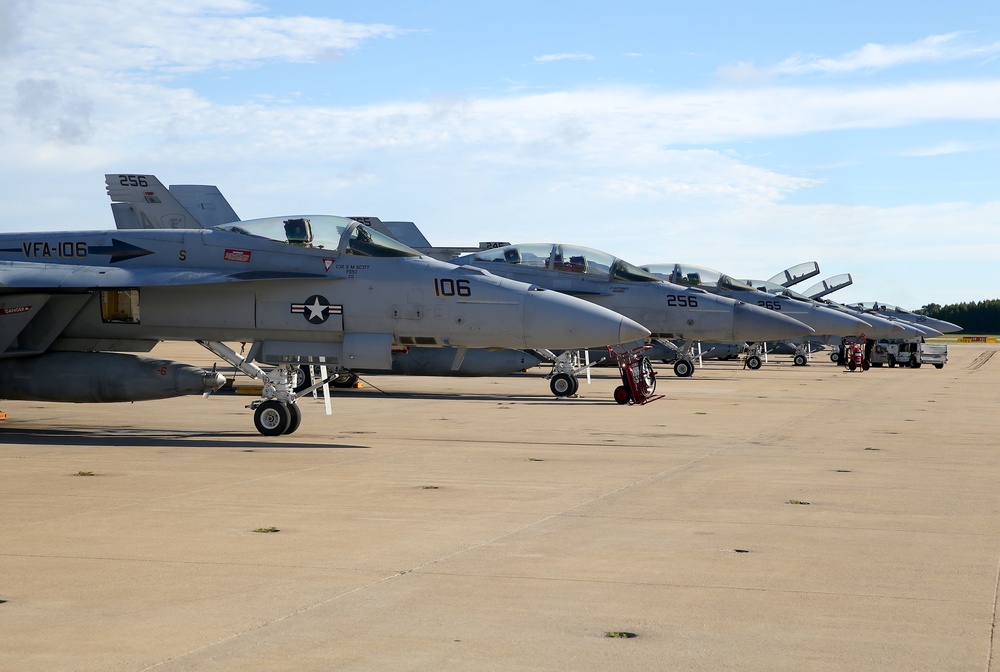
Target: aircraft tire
{"points": [[576, 385], [345, 380], [295, 418], [800, 360], [835, 357], [939, 366], [892, 362], [304, 378], [562, 385], [683, 368], [621, 395], [914, 364], [753, 362], [272, 418]]}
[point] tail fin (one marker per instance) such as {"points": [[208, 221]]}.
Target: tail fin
{"points": [[206, 203], [142, 202]]}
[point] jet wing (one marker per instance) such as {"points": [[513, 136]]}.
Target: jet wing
{"points": [[25, 275]]}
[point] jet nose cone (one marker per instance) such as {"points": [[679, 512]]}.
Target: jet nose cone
{"points": [[554, 320], [927, 331], [835, 323], [946, 327], [630, 330], [753, 323], [883, 328]]}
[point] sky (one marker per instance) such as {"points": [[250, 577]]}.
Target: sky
{"points": [[746, 137]]}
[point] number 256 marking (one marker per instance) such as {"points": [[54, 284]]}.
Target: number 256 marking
{"points": [[133, 181], [682, 301]]}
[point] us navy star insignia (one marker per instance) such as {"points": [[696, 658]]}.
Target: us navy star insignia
{"points": [[316, 309]]}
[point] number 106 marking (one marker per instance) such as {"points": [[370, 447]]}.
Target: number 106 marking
{"points": [[449, 287]]}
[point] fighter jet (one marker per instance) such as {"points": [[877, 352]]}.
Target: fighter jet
{"points": [[887, 310], [671, 312], [898, 313], [668, 310], [787, 302], [312, 289]]}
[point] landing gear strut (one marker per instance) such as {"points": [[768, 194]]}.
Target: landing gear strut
{"points": [[275, 413]]}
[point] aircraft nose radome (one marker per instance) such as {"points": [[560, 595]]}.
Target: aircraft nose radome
{"points": [[883, 328], [835, 323], [753, 323], [946, 327], [630, 330], [926, 330], [554, 320]]}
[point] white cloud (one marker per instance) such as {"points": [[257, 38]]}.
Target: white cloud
{"points": [[548, 58], [619, 168], [169, 37], [869, 58], [950, 147]]}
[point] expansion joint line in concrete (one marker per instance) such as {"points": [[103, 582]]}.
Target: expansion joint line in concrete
{"points": [[993, 621]]}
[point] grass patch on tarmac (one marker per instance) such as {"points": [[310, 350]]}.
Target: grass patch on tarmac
{"points": [[267, 530], [620, 634], [798, 501], [84, 473]]}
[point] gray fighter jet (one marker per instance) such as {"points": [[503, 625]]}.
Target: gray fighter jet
{"points": [[892, 312], [822, 320], [75, 305], [669, 311]]}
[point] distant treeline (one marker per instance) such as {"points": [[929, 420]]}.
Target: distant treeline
{"points": [[979, 317]]}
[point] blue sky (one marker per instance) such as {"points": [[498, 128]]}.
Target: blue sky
{"points": [[743, 136]]}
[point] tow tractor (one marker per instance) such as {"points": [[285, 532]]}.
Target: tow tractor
{"points": [[638, 376]]}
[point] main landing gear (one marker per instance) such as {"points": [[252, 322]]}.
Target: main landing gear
{"points": [[276, 412], [273, 418], [684, 362], [564, 378]]}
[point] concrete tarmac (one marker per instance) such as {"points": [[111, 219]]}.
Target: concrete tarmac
{"points": [[783, 519]]}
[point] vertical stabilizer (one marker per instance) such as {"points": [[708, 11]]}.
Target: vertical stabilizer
{"points": [[153, 206], [206, 203]]}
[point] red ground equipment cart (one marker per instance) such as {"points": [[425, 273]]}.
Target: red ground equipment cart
{"points": [[638, 376], [854, 354]]}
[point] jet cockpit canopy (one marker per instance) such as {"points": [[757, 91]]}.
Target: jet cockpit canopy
{"points": [[881, 307], [776, 289], [697, 276], [325, 232], [567, 259]]}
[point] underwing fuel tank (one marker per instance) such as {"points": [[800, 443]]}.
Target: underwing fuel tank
{"points": [[101, 377]]}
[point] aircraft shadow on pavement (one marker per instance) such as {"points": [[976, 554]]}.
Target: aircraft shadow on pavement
{"points": [[86, 436], [547, 399]]}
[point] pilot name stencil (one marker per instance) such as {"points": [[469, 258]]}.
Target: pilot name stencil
{"points": [[352, 269]]}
